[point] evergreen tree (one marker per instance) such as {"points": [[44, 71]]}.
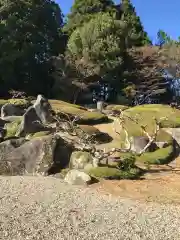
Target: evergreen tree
{"points": [[135, 34], [30, 35], [97, 46], [83, 10]]}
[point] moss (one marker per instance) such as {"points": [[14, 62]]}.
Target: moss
{"points": [[80, 159], [58, 104], [114, 173], [86, 117], [116, 107], [19, 102], [3, 101], [12, 128], [38, 134], [146, 114], [160, 156], [89, 129]]}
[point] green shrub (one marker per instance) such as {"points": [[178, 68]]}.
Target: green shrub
{"points": [[127, 162]]}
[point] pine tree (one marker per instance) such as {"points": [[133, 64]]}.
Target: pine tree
{"points": [[135, 35], [83, 10]]}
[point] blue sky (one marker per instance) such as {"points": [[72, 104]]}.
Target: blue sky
{"points": [[155, 15]]}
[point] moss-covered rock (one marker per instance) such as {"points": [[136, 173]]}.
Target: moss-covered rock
{"points": [[114, 173], [58, 104], [19, 102], [12, 128], [81, 160], [146, 114], [85, 116], [160, 156], [38, 134]]}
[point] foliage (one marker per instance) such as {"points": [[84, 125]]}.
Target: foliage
{"points": [[96, 47], [163, 38], [83, 10], [135, 34], [30, 36], [127, 163], [144, 73]]}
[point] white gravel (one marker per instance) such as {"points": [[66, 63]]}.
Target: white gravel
{"points": [[45, 208]]}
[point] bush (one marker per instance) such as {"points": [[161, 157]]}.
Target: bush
{"points": [[127, 163]]}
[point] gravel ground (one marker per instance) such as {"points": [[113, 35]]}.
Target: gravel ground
{"points": [[47, 208]]}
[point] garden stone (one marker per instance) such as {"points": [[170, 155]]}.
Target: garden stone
{"points": [[36, 157], [76, 177], [9, 109], [138, 143], [81, 160], [43, 109], [31, 123]]}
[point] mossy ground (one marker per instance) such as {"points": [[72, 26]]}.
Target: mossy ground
{"points": [[16, 101], [86, 117], [116, 107], [114, 173], [38, 134]]}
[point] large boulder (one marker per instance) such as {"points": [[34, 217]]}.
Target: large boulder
{"points": [[9, 109], [35, 116], [31, 123], [43, 109], [81, 160], [41, 156], [138, 143], [8, 146], [76, 177]]}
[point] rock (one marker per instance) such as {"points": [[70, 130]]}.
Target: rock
{"points": [[81, 160], [2, 133], [2, 123], [35, 117], [138, 144], [10, 119], [162, 144], [93, 133], [9, 109], [43, 109], [76, 177], [5, 148], [31, 123], [41, 156]]}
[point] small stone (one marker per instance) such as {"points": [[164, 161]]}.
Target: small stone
{"points": [[76, 177]]}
